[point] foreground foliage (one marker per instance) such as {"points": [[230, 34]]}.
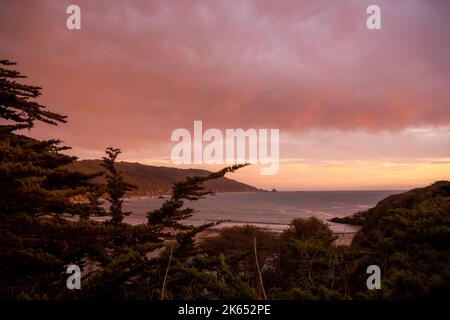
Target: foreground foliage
{"points": [[165, 259]]}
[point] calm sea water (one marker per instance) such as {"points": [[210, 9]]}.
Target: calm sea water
{"points": [[274, 210]]}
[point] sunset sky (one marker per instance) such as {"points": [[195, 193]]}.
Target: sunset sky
{"points": [[356, 108]]}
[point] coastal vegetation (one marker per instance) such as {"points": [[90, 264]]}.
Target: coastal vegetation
{"points": [[407, 235]]}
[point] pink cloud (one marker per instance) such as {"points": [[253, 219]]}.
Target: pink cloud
{"points": [[138, 70]]}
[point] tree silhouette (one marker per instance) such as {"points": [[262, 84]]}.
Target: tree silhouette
{"points": [[171, 214], [116, 186], [33, 174], [16, 102]]}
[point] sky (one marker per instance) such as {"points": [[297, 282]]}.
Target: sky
{"points": [[356, 108]]}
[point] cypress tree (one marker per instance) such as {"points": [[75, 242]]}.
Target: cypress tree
{"points": [[116, 186], [34, 178]]}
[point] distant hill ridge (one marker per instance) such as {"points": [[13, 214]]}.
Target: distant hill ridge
{"points": [[154, 180]]}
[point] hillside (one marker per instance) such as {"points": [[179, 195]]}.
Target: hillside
{"points": [[377, 221], [407, 200], [153, 180]]}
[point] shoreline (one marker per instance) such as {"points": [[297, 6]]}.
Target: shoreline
{"points": [[344, 237]]}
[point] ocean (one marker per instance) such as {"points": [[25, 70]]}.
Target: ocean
{"points": [[271, 210]]}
